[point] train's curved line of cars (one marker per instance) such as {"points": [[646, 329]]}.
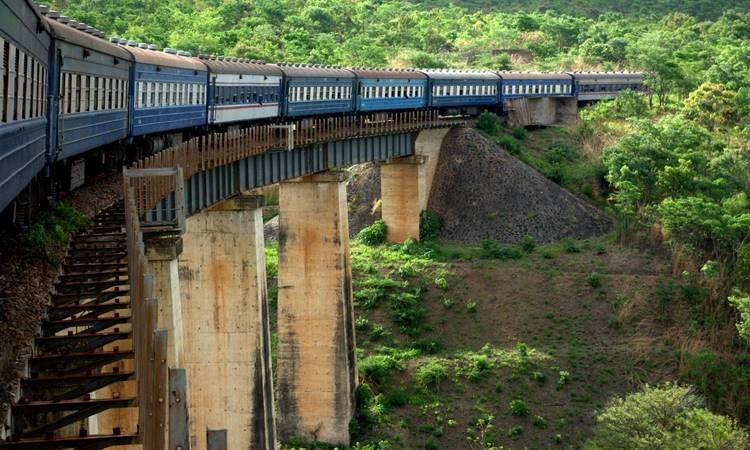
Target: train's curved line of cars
{"points": [[65, 90]]}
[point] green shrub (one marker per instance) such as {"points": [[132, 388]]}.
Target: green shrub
{"points": [[471, 306], [431, 373], [448, 303], [374, 234], [488, 122], [515, 432], [594, 280], [362, 323], [370, 412], [493, 250], [539, 422], [55, 227], [429, 226], [397, 397], [441, 282], [518, 407], [509, 143], [563, 378], [377, 368], [539, 377], [559, 152], [528, 244], [571, 246], [519, 133], [668, 416]]}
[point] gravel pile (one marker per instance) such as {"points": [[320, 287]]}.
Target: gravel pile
{"points": [[482, 192]]}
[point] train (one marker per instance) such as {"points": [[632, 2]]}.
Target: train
{"points": [[73, 101]]}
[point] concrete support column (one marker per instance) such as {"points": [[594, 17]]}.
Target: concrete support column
{"points": [[227, 354], [403, 192], [162, 253], [317, 372]]}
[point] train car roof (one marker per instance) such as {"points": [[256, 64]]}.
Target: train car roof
{"points": [[600, 75], [388, 73], [511, 75], [162, 58], [63, 32], [240, 66], [453, 74], [314, 71]]}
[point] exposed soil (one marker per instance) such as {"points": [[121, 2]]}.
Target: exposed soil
{"points": [[26, 280], [548, 304]]}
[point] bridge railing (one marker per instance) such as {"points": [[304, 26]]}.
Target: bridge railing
{"points": [[157, 385], [218, 149]]}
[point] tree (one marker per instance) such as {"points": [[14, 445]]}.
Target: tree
{"points": [[712, 106], [667, 417]]}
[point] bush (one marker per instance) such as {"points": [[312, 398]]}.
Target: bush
{"points": [[518, 407], [431, 373], [377, 368], [519, 133], [429, 226], [595, 280], [563, 378], [539, 422], [510, 144], [55, 227], [668, 416], [374, 234], [528, 244], [493, 250], [515, 431], [471, 306], [559, 152], [489, 123]]}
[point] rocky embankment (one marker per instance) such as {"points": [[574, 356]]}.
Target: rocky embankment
{"points": [[480, 191]]}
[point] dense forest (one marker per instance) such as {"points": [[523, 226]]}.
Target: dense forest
{"points": [[674, 164]]}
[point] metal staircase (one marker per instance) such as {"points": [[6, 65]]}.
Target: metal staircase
{"points": [[84, 353]]}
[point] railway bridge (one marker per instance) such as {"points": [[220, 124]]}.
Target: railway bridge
{"points": [[177, 349], [193, 212]]}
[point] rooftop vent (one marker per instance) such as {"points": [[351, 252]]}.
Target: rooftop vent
{"points": [[123, 41], [54, 15], [152, 46], [114, 40], [44, 9], [171, 51], [132, 44], [142, 45], [63, 19]]}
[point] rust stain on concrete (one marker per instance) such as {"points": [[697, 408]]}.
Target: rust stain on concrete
{"points": [[218, 274]]}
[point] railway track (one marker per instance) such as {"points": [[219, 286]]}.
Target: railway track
{"points": [[82, 365]]}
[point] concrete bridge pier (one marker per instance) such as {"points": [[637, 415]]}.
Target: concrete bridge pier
{"points": [[316, 361], [162, 253], [403, 193], [225, 334]]}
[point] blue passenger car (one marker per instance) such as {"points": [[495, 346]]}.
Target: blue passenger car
{"points": [[169, 90], [535, 84], [389, 89], [24, 45], [316, 90], [241, 90], [89, 87], [589, 86], [462, 91]]}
